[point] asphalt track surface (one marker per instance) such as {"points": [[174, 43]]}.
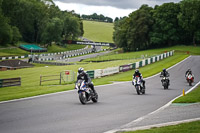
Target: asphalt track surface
{"points": [[118, 105]]}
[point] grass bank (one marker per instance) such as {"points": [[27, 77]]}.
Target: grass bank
{"points": [[192, 97], [191, 127], [98, 31]]}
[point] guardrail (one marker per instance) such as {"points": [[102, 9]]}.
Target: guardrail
{"points": [[112, 70], [10, 82]]}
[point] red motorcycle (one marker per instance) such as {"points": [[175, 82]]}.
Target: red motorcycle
{"points": [[190, 79]]}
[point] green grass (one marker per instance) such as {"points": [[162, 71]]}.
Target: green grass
{"points": [[191, 127], [12, 52], [98, 31], [31, 76], [192, 97]]}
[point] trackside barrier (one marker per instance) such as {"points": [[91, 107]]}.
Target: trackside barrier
{"points": [[10, 82], [108, 71], [90, 73]]}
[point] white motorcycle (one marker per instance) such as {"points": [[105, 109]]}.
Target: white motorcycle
{"points": [[140, 89], [85, 93]]}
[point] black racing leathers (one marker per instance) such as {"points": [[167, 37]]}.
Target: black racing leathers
{"points": [[85, 76]]}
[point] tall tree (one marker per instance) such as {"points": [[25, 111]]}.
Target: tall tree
{"points": [[5, 30], [52, 31], [166, 30], [189, 18], [140, 25], [119, 34]]}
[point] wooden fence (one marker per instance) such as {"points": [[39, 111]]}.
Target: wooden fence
{"points": [[50, 78], [10, 82]]}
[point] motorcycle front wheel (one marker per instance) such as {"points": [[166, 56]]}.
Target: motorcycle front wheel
{"points": [[190, 82], [137, 89], [82, 97]]}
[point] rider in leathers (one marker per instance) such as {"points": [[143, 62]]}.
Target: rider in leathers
{"points": [[189, 71], [164, 73], [84, 76], [137, 73]]}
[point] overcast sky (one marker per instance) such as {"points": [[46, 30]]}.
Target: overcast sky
{"points": [[110, 8]]}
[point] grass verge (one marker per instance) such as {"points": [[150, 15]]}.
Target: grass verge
{"points": [[192, 97], [191, 127]]}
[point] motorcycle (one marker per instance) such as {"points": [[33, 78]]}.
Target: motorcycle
{"points": [[165, 82], [139, 88], [190, 79], [85, 93]]}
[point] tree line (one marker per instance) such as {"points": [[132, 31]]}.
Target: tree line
{"points": [[37, 21], [165, 25], [97, 17]]}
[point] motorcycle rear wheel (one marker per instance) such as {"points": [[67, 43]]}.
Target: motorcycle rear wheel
{"points": [[95, 99], [143, 91]]}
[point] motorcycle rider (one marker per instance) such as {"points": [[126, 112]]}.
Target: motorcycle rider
{"points": [[189, 72], [84, 76], [137, 73], [165, 73]]}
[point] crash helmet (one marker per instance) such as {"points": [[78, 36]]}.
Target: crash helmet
{"points": [[137, 71], [81, 70], [164, 70]]}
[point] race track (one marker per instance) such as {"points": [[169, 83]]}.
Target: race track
{"points": [[118, 105]]}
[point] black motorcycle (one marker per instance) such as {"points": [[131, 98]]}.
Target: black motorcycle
{"points": [[165, 82]]}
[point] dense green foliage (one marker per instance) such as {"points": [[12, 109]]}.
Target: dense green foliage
{"points": [[165, 25], [97, 17], [37, 21]]}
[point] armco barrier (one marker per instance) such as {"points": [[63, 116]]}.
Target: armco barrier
{"points": [[108, 71], [133, 65], [124, 68]]}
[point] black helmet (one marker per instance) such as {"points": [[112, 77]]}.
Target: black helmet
{"points": [[164, 70], [137, 71], [80, 70]]}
